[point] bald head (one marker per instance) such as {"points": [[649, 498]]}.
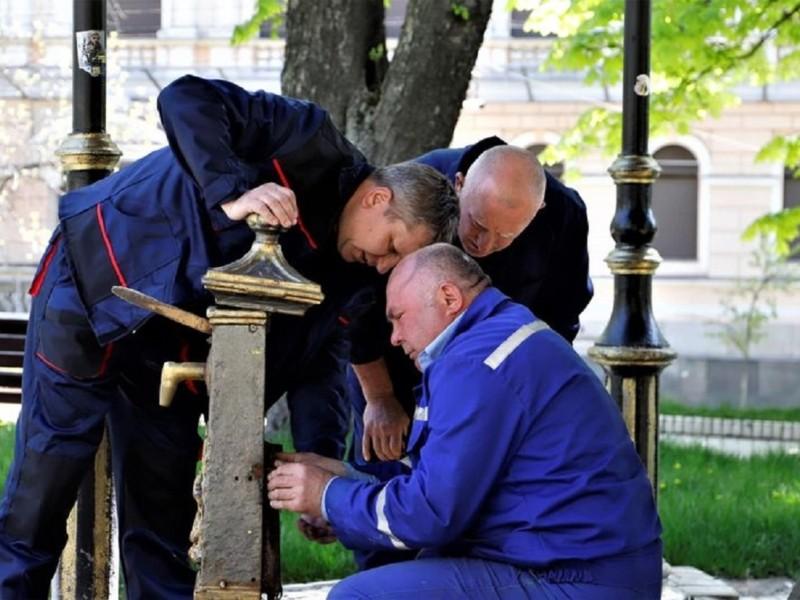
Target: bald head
{"points": [[428, 267], [427, 291], [499, 197]]}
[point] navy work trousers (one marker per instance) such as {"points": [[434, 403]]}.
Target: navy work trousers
{"points": [[71, 388]]}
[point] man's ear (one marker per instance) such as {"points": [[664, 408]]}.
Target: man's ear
{"points": [[377, 195], [451, 297], [459, 182]]}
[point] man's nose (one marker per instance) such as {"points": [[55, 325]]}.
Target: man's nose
{"points": [[385, 263], [483, 242], [394, 339]]}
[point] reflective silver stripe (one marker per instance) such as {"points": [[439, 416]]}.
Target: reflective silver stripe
{"points": [[502, 352], [421, 413], [406, 460], [383, 523]]}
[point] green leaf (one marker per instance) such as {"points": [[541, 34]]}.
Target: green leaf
{"points": [[266, 11]]}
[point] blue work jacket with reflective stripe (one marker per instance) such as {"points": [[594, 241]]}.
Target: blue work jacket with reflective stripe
{"points": [[157, 225], [519, 455]]}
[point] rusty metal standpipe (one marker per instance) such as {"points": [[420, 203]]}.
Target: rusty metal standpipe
{"points": [[236, 535]]}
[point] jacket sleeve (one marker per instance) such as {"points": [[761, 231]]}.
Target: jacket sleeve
{"points": [[473, 424], [568, 289], [222, 134], [370, 331]]}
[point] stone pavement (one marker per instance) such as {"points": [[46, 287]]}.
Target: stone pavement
{"points": [[683, 583]]}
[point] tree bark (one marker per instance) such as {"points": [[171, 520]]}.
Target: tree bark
{"points": [[335, 56]]}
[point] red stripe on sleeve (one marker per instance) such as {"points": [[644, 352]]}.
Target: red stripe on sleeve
{"points": [[39, 279], [285, 183], [109, 250]]}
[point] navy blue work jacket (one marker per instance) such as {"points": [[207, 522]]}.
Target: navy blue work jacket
{"points": [[157, 225], [518, 455]]}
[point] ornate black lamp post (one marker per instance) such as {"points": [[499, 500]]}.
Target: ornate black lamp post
{"points": [[87, 155], [632, 349]]}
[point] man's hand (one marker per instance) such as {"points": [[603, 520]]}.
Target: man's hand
{"points": [[309, 458], [316, 529], [275, 203], [297, 487], [385, 428]]}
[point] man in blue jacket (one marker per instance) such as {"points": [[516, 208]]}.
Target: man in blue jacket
{"points": [[527, 230], [157, 226], [524, 482]]}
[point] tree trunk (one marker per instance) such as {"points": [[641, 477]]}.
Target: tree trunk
{"points": [[744, 384], [335, 56]]}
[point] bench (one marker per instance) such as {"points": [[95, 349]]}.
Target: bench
{"points": [[12, 343]]}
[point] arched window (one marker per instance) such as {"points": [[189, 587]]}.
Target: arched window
{"points": [[791, 199], [674, 203], [556, 170]]}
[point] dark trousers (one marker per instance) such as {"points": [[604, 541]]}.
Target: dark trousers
{"points": [[71, 388]]}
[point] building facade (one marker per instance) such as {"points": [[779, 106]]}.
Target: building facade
{"points": [[710, 189]]}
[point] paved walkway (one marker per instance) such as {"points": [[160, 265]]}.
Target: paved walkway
{"points": [[741, 447]]}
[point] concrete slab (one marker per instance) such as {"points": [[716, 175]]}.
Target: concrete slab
{"points": [[317, 590], [695, 584]]}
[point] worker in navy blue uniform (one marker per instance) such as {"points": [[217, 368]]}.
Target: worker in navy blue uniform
{"points": [[157, 226], [524, 482], [527, 230]]}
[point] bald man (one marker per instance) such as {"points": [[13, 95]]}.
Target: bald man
{"points": [[524, 482], [527, 230]]}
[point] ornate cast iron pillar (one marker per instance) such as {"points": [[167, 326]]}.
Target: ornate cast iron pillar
{"points": [[88, 565], [632, 350]]}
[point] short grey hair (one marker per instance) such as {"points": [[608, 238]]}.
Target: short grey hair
{"points": [[421, 196], [446, 262]]}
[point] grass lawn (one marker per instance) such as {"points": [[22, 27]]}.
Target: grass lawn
{"points": [[729, 516], [724, 515], [670, 407]]}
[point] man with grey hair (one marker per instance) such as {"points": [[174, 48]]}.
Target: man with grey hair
{"points": [[523, 480]]}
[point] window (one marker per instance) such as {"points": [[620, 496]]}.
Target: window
{"points": [[556, 170], [518, 18], [674, 203], [791, 199], [135, 18]]}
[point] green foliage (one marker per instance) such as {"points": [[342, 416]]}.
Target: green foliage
{"points": [[461, 11], [782, 149], [781, 227], [376, 53], [728, 516], [700, 51], [751, 304], [266, 11]]}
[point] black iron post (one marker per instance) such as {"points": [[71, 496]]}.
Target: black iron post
{"points": [[632, 349], [87, 564]]}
